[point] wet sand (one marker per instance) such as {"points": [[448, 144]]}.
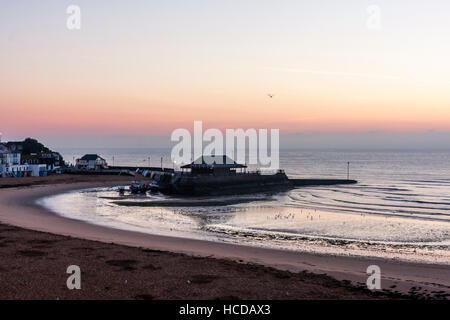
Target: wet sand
{"points": [[131, 265]]}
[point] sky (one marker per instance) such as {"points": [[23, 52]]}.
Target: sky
{"points": [[140, 69]]}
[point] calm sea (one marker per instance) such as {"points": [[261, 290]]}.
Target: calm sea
{"points": [[399, 209]]}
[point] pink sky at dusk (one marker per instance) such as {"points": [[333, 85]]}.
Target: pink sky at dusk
{"points": [[149, 68]]}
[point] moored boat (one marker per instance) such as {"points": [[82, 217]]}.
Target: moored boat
{"points": [[137, 187]]}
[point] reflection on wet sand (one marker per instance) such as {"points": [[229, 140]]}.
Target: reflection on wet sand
{"points": [[304, 219]]}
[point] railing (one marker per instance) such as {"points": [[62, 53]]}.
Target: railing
{"points": [[233, 173]]}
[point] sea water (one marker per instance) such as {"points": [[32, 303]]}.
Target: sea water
{"points": [[399, 209]]}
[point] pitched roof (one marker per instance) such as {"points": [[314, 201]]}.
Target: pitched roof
{"points": [[91, 157], [213, 161], [4, 148], [15, 146]]}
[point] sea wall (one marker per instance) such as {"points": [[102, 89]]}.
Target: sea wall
{"points": [[232, 184], [320, 182]]}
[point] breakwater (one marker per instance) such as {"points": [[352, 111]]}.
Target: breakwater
{"points": [[320, 182]]}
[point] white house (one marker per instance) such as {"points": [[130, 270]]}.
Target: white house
{"points": [[91, 162], [7, 157], [10, 163]]}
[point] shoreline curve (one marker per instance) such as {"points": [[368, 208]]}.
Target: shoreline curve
{"points": [[18, 207]]}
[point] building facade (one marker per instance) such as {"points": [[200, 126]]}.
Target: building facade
{"points": [[91, 162], [50, 160], [8, 157], [16, 160], [10, 162]]}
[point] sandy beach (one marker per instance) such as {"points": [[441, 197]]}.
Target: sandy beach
{"points": [[36, 246]]}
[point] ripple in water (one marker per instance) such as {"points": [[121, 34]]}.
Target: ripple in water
{"points": [[399, 209], [331, 221]]}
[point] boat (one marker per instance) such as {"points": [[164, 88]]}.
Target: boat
{"points": [[137, 187], [154, 186]]}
